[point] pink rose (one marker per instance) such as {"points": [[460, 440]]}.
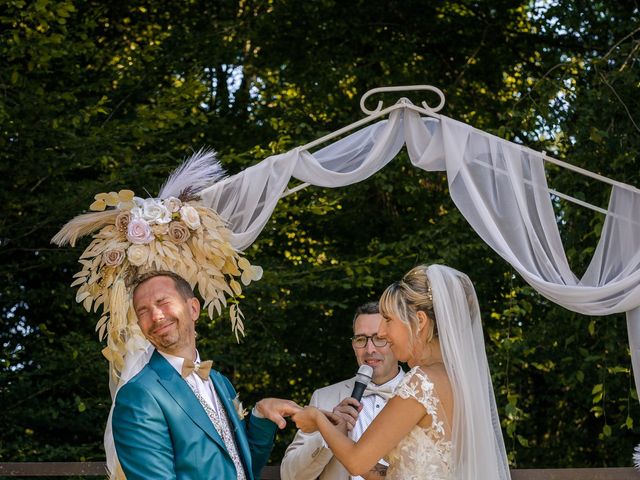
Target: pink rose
{"points": [[139, 231]]}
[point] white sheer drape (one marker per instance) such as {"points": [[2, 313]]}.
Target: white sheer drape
{"points": [[246, 200], [499, 187], [501, 190]]}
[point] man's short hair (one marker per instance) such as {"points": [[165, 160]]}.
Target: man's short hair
{"points": [[182, 286], [369, 308]]}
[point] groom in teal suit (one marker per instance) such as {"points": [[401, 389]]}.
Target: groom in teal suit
{"points": [[177, 420]]}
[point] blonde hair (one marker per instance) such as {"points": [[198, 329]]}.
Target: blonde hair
{"points": [[405, 298]]}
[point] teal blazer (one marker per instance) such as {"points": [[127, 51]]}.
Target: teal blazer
{"points": [[162, 432]]}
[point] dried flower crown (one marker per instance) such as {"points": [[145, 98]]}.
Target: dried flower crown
{"points": [[136, 235]]}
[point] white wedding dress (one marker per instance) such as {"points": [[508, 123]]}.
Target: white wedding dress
{"points": [[424, 453], [468, 446]]}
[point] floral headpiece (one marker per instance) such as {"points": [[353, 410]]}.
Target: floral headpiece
{"points": [[173, 232]]}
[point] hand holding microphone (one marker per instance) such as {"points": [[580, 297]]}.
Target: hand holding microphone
{"points": [[349, 408]]}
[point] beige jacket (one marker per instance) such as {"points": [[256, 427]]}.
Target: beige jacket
{"points": [[308, 457]]}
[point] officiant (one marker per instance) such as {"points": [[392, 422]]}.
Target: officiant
{"points": [[308, 457]]}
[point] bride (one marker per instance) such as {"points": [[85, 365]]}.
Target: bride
{"points": [[442, 421]]}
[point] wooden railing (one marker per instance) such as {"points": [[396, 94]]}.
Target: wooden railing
{"points": [[97, 469]]}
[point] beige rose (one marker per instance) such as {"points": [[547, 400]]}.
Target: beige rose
{"points": [[190, 216], [138, 254], [113, 258], [178, 232], [122, 221]]}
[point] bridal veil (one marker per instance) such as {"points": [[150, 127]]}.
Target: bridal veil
{"points": [[478, 446]]}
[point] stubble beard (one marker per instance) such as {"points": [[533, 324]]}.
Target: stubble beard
{"points": [[165, 341]]}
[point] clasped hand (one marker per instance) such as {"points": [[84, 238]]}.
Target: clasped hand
{"points": [[348, 409], [308, 419], [276, 409]]}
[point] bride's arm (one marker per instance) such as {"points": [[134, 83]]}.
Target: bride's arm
{"points": [[393, 423]]}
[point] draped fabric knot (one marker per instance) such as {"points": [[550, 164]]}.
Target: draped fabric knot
{"points": [[201, 369]]}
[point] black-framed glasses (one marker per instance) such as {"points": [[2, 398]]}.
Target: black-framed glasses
{"points": [[360, 341]]}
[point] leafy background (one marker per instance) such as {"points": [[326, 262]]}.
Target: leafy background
{"points": [[98, 96]]}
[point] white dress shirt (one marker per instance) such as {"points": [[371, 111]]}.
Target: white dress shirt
{"points": [[372, 405]]}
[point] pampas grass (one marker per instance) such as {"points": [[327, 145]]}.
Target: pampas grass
{"points": [[83, 225]]}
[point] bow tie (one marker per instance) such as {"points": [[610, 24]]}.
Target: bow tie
{"points": [[202, 369], [384, 391]]}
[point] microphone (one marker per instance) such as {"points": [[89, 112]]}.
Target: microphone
{"points": [[363, 377]]}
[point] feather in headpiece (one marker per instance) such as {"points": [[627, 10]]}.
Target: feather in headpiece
{"points": [[198, 172]]}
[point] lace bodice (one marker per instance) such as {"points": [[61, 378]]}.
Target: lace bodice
{"points": [[424, 453]]}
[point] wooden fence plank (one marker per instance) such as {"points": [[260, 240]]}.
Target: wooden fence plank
{"points": [[52, 469], [98, 469], [576, 474]]}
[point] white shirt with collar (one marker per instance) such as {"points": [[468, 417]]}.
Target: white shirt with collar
{"points": [[372, 405]]}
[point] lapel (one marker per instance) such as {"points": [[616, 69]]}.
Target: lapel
{"points": [[347, 388], [182, 394], [236, 425]]}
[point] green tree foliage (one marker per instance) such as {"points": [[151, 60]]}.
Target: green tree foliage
{"points": [[98, 96]]}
